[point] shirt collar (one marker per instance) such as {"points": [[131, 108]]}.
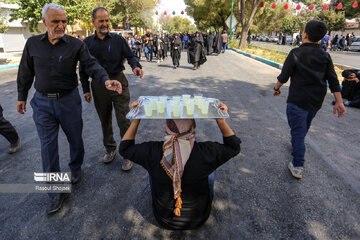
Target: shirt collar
{"points": [[310, 45], [45, 36], [109, 34]]}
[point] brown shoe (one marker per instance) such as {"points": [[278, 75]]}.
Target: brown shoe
{"points": [[109, 156], [126, 165]]}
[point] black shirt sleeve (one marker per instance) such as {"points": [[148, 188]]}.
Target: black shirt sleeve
{"points": [[142, 154], [332, 77], [288, 68], [214, 154], [26, 74], [91, 67]]}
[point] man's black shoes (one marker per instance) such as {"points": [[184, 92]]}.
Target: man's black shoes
{"points": [[76, 176], [56, 202]]}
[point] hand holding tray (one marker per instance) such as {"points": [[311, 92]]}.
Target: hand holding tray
{"points": [[164, 107]]}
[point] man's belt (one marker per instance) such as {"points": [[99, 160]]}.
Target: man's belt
{"points": [[56, 95]]}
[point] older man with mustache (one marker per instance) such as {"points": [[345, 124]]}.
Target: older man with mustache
{"points": [[52, 58]]}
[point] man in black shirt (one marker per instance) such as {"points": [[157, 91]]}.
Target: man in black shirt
{"points": [[148, 41], [110, 50], [351, 87], [181, 170], [52, 58], [310, 68]]}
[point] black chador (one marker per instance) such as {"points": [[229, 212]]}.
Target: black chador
{"points": [[217, 43], [210, 43], [196, 53], [176, 51]]}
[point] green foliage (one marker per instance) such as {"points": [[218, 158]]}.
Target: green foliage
{"points": [[335, 21], [350, 12], [139, 12], [31, 11], [209, 13], [289, 25], [177, 24]]}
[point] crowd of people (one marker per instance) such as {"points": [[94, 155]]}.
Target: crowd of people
{"points": [[158, 45], [182, 171]]}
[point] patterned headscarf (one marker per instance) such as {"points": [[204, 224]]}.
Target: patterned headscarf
{"points": [[179, 142]]}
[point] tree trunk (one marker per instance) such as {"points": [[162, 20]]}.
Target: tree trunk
{"points": [[247, 25]]}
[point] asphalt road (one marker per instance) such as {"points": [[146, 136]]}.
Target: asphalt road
{"points": [[255, 195], [346, 58]]}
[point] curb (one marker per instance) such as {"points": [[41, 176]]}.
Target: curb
{"points": [[3, 67], [268, 62]]}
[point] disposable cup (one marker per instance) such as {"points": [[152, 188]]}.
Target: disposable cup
{"points": [[190, 107], [148, 110], [185, 97], [161, 106], [198, 100], [153, 103], [176, 110], [204, 107], [176, 98]]}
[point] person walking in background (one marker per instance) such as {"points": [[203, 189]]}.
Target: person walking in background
{"points": [[225, 40], [310, 68], [325, 42], [9, 132]]}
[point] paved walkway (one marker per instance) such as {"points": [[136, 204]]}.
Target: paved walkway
{"points": [[255, 195]]}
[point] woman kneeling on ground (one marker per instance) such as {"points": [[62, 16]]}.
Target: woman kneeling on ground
{"points": [[182, 171]]}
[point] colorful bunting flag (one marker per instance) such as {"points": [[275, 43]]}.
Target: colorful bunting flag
{"points": [[298, 7], [339, 6], [325, 7], [286, 6], [261, 4], [273, 6], [311, 7], [355, 4]]}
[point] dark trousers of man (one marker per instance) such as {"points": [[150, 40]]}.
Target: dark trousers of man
{"points": [[104, 101], [7, 130], [48, 115], [299, 121], [138, 52], [148, 50], [324, 46]]}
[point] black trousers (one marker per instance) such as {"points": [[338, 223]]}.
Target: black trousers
{"points": [[105, 100], [6, 129]]}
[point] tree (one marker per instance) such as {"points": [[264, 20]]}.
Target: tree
{"points": [[246, 18], [334, 21], [139, 12], [176, 24], [350, 12], [289, 25], [209, 13], [31, 11], [3, 24]]}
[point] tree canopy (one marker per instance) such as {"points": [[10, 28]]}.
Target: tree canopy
{"points": [[176, 24]]}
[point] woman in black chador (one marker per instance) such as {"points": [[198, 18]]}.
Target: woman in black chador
{"points": [[176, 51], [210, 43], [196, 54]]}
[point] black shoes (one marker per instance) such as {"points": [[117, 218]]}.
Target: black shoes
{"points": [[15, 146], [76, 176], [56, 202]]}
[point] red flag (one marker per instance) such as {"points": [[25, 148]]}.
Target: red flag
{"points": [[355, 4], [273, 6], [339, 6], [286, 6], [325, 7], [261, 4], [165, 13], [298, 7], [311, 7], [182, 12]]}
